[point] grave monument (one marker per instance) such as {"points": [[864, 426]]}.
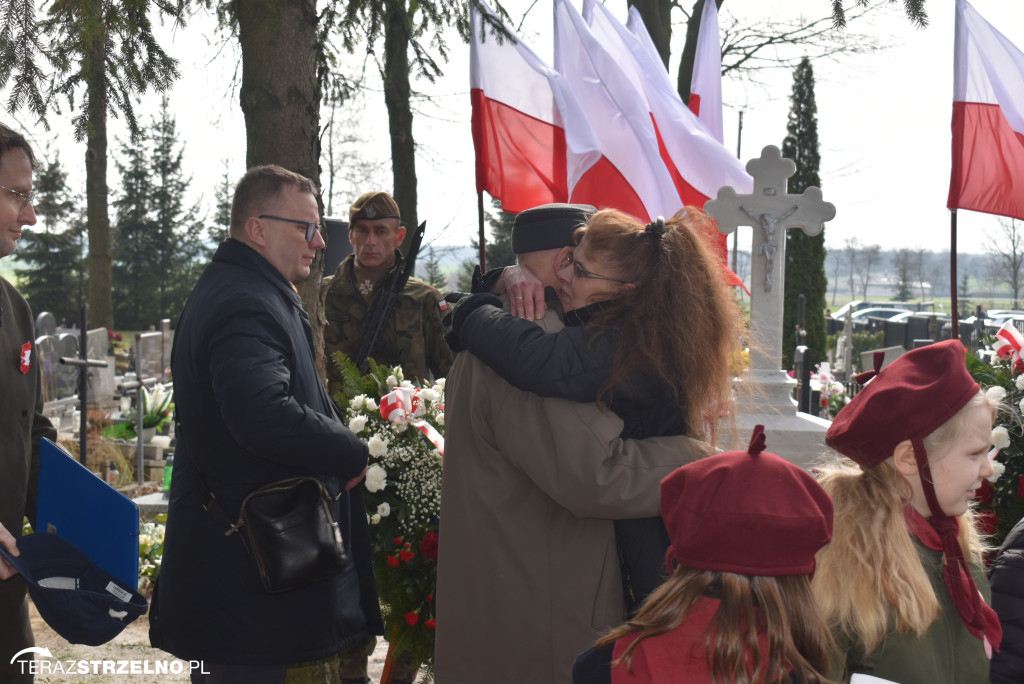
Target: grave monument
{"points": [[770, 210]]}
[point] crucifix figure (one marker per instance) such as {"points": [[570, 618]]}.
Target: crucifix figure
{"points": [[769, 208]]}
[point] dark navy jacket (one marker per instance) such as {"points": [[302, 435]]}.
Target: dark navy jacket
{"points": [[253, 410], [1007, 577]]}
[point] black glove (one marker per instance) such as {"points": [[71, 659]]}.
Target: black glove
{"points": [[486, 282], [463, 305]]}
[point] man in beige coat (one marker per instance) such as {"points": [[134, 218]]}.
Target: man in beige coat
{"points": [[528, 574]]}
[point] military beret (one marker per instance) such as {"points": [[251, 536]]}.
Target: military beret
{"points": [[549, 226], [376, 204]]}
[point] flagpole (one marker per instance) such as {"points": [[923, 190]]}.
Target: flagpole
{"points": [[736, 233], [952, 275], [480, 217]]}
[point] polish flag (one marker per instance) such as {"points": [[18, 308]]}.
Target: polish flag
{"points": [[617, 112], [524, 155], [706, 82], [988, 119]]}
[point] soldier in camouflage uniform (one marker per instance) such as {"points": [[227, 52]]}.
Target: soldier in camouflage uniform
{"points": [[413, 338]]}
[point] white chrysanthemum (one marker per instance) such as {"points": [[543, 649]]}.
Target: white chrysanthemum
{"points": [[996, 393], [374, 519], [439, 418], [384, 510], [1019, 382], [1020, 405], [999, 469], [378, 447], [439, 385], [1000, 437], [376, 478], [357, 424], [406, 384], [392, 381], [358, 402], [428, 394], [371, 405]]}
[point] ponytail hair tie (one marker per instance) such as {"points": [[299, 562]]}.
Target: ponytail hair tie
{"points": [[656, 228]]}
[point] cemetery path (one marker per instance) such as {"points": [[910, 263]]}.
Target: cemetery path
{"points": [[130, 645]]}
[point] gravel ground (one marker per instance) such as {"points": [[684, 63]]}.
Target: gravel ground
{"points": [[130, 645]]}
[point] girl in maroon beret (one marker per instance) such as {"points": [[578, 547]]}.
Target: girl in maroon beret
{"points": [[737, 606], [901, 583]]}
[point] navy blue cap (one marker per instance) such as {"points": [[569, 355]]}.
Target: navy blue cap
{"points": [[80, 601]]}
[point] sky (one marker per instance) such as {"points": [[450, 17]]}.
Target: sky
{"points": [[883, 122]]}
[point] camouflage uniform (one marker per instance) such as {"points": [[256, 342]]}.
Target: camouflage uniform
{"points": [[413, 338]]}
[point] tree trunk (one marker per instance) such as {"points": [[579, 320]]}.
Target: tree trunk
{"points": [[101, 259], [280, 99], [690, 50], [657, 16], [397, 93]]}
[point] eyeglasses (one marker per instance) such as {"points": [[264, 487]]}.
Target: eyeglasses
{"points": [[26, 197], [581, 272], [312, 227]]}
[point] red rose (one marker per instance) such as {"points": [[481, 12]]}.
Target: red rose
{"points": [[430, 599], [398, 541], [406, 555], [428, 547], [986, 494], [411, 618], [430, 624], [1020, 488], [392, 561]]}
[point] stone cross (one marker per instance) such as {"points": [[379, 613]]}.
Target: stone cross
{"points": [[770, 207]]}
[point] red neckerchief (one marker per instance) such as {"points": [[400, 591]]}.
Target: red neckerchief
{"points": [[941, 534], [676, 657]]}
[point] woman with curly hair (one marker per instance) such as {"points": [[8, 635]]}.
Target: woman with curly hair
{"points": [[901, 583], [651, 328], [737, 607]]}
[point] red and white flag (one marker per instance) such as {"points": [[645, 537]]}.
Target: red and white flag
{"points": [[524, 156], [988, 119], [638, 181], [706, 81]]}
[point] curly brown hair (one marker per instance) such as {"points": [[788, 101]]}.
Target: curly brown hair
{"points": [[680, 322]]}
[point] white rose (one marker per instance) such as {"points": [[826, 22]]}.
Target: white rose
{"points": [[439, 418], [357, 402], [374, 519], [406, 384], [378, 447], [428, 394], [1000, 437], [383, 510], [995, 393], [392, 381], [1020, 404], [357, 424], [999, 469], [371, 405], [439, 385], [376, 478], [1019, 382]]}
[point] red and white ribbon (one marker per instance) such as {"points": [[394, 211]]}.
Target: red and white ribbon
{"points": [[1008, 345], [403, 405]]}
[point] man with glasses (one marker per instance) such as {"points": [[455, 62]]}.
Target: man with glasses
{"points": [[413, 337], [22, 424], [251, 410]]}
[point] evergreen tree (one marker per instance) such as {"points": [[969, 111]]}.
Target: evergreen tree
{"points": [[136, 258], [53, 249], [222, 211], [805, 254], [432, 272], [901, 264], [499, 247]]}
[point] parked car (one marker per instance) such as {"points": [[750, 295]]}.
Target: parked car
{"points": [[860, 304], [877, 312], [921, 314]]}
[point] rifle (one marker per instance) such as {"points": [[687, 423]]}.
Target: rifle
{"points": [[384, 304]]}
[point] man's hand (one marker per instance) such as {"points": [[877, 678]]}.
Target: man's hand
{"points": [[8, 542], [525, 293]]}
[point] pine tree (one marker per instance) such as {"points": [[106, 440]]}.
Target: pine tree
{"points": [[805, 254], [499, 247], [432, 272], [136, 261], [53, 249]]}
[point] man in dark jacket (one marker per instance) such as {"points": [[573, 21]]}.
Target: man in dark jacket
{"points": [[1007, 577], [252, 410], [21, 404]]}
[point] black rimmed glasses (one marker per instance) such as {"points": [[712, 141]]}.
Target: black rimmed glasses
{"points": [[312, 227], [26, 197], [581, 272]]}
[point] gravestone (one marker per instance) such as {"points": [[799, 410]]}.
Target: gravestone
{"points": [[771, 210], [46, 324], [102, 383], [67, 376], [47, 355], [151, 355]]}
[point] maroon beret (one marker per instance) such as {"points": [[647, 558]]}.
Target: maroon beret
{"points": [[747, 512], [910, 398]]}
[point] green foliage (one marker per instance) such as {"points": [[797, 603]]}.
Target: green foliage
{"points": [[159, 250], [54, 248], [862, 342], [805, 254], [432, 270], [499, 247], [902, 291], [913, 8]]}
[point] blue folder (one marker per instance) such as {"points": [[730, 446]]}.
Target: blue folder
{"points": [[77, 505]]}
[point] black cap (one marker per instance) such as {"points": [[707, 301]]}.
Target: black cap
{"points": [[549, 226], [77, 599]]}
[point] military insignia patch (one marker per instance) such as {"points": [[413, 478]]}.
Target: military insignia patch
{"points": [[370, 211], [25, 360], [366, 287], [442, 305]]}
